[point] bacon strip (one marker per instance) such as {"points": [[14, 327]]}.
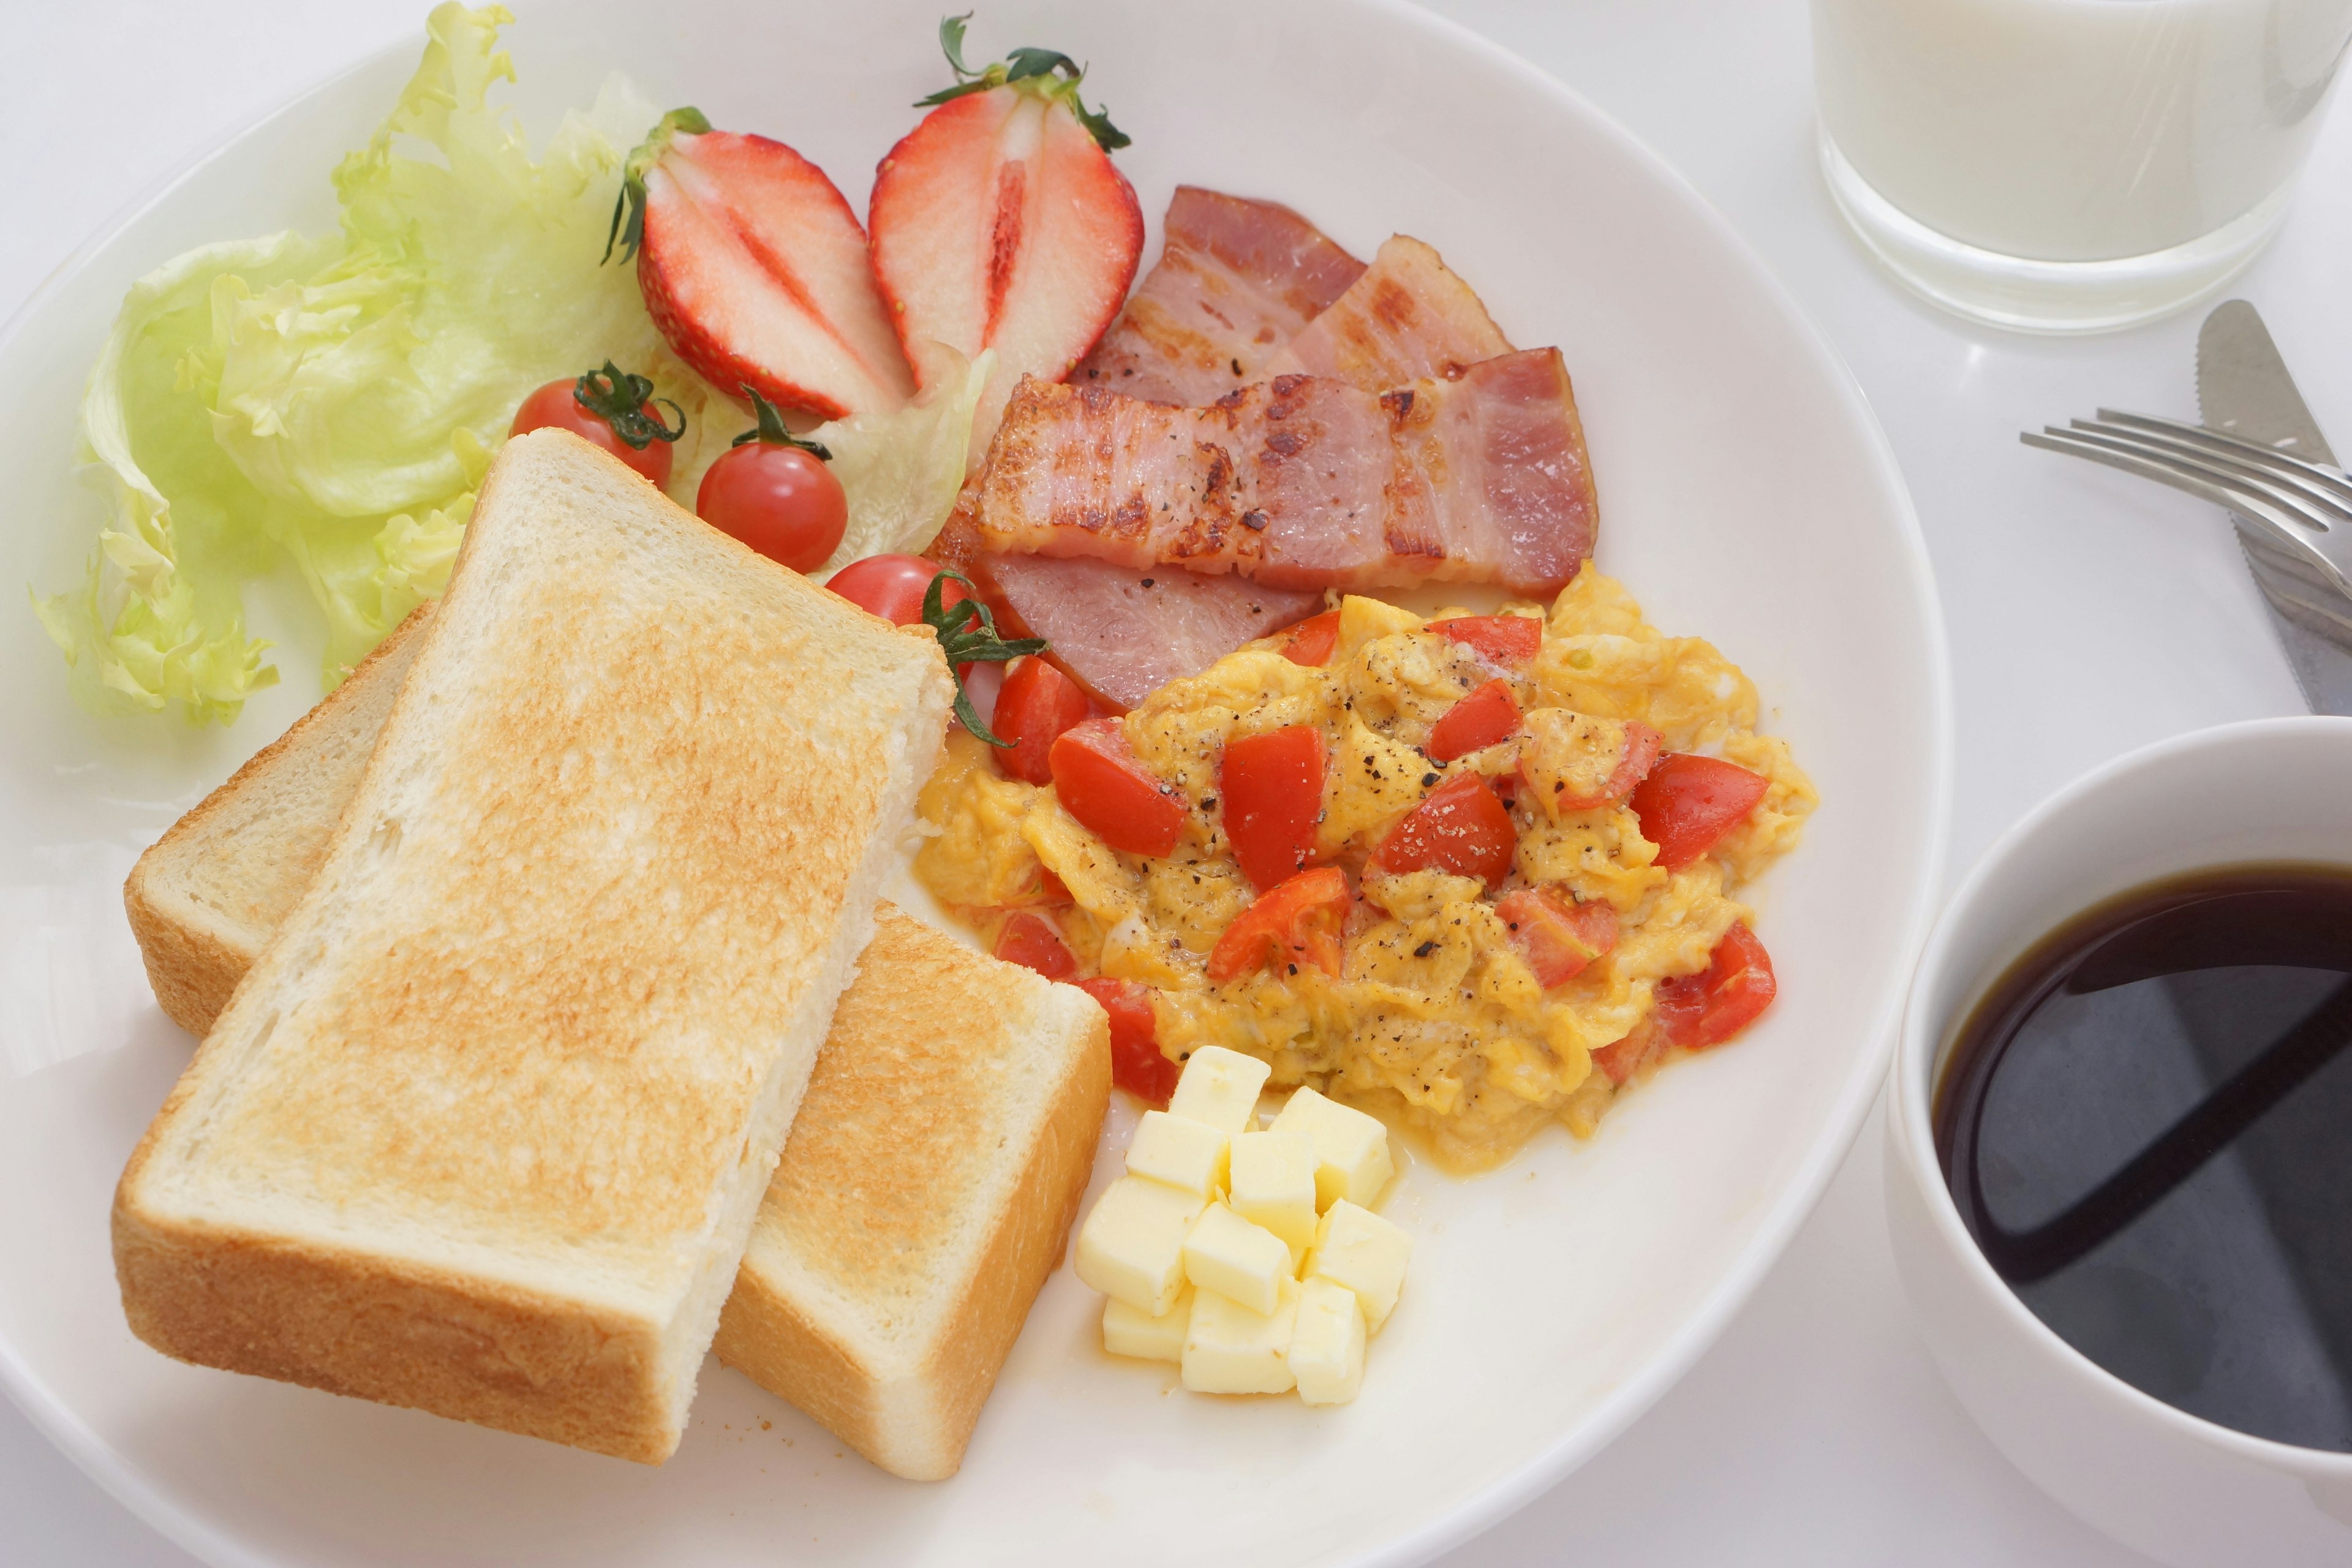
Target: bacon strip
{"points": [[1408, 318], [1120, 634], [1306, 482], [1235, 280]]}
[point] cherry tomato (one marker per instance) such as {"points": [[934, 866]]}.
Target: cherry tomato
{"points": [[1461, 828], [1273, 788], [1506, 639], [1295, 921], [1037, 703], [1689, 802], [1557, 937], [557, 406], [1310, 642], [1034, 943], [1136, 1064], [780, 501], [1101, 783], [1696, 1011], [1488, 715], [892, 586]]}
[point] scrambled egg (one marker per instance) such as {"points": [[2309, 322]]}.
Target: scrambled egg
{"points": [[1435, 1018]]}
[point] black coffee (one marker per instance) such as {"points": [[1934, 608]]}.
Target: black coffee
{"points": [[2147, 1127]]}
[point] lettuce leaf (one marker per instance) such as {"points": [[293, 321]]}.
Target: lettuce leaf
{"points": [[333, 401]]}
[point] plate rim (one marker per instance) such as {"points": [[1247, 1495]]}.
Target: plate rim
{"points": [[1480, 1510]]}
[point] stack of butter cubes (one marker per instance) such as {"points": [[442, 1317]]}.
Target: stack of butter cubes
{"points": [[1251, 1258]]}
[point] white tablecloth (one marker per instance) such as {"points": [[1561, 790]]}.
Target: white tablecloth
{"points": [[2089, 614]]}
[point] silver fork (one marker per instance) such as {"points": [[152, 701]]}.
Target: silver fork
{"points": [[2299, 514]]}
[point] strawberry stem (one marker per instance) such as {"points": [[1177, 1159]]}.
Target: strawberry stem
{"points": [[770, 428], [631, 204], [1046, 73], [620, 400]]}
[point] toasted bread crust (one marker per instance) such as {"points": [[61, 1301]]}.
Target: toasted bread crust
{"points": [[195, 960], [453, 1344]]}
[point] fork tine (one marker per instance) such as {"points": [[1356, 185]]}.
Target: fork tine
{"points": [[2297, 507], [2278, 526], [2253, 452], [2291, 486]]}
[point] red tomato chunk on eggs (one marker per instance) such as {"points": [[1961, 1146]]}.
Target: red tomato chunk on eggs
{"points": [[1297, 921], [1031, 942], [1273, 790], [1462, 829], [1037, 705], [1100, 782], [1688, 803], [1137, 1064], [1696, 1011], [1483, 719], [1557, 937]]}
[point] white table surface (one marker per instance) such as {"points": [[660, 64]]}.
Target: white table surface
{"points": [[2089, 614]]}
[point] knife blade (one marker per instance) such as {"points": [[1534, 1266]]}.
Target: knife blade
{"points": [[2243, 388]]}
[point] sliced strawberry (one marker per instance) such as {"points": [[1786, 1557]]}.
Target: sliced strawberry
{"points": [[1000, 223], [754, 268]]}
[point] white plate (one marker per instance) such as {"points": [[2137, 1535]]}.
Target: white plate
{"points": [[1749, 497]]}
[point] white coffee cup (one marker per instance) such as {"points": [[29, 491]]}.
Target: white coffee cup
{"points": [[2172, 1485]]}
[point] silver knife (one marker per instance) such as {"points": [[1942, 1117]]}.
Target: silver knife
{"points": [[2242, 388]]}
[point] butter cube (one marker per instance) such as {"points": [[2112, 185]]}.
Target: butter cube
{"points": [[1127, 1332], [1327, 1344], [1358, 1248], [1219, 1088], [1180, 1151], [1232, 1349], [1351, 1149], [1272, 1184], [1225, 1253], [1132, 1248]]}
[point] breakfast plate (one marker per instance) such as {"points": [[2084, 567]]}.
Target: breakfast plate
{"points": [[1749, 496]]}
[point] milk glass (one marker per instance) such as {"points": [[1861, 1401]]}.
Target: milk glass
{"points": [[2070, 165]]}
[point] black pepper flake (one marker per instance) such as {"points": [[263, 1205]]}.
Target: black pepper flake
{"points": [[1293, 969], [1210, 804], [1254, 519], [1427, 780], [1236, 365], [1426, 948], [1147, 581]]}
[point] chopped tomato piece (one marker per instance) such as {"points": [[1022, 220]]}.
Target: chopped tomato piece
{"points": [[1557, 937], [1696, 1011], [1310, 642], [1688, 802], [1034, 943], [1295, 921], [1506, 639], [1272, 786], [1101, 783], [1051, 890], [1620, 1060], [1480, 720], [1462, 827], [1036, 703], [1573, 761], [1136, 1064]]}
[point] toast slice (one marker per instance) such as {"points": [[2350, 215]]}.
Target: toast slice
{"points": [[967, 1220], [203, 898], [486, 1128], [927, 1190]]}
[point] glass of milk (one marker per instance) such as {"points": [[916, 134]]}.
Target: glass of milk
{"points": [[2070, 165]]}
